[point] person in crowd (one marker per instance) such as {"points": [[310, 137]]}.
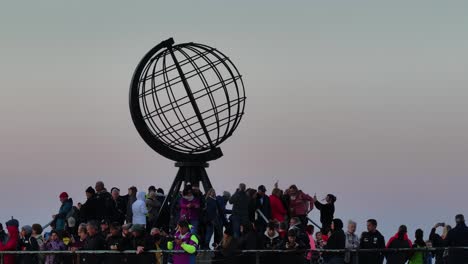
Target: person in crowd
{"points": [[130, 198], [27, 243], [114, 242], [278, 211], [372, 239], [252, 206], [327, 210], [249, 240], [103, 201], [160, 195], [65, 209], [139, 210], [458, 237], [296, 225], [88, 211], [337, 240], [352, 241], [263, 205], [153, 205], [3, 234], [418, 257], [11, 242], [283, 230], [190, 208], [299, 203], [271, 241], [54, 243], [296, 249], [399, 240], [118, 207], [140, 242], [184, 241], [94, 241], [226, 251], [311, 256], [82, 236], [319, 243], [439, 241], [71, 227], [200, 227], [160, 243], [240, 209], [222, 201], [104, 231], [212, 217]]}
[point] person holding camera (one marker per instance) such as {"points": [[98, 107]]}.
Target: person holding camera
{"points": [[185, 241]]}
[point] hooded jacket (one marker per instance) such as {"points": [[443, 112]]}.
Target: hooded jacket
{"points": [[337, 240], [458, 237], [11, 244], [396, 242], [139, 210]]}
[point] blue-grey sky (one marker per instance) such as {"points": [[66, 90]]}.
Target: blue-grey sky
{"points": [[364, 99]]}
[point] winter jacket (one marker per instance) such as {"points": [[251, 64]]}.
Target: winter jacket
{"points": [[110, 242], [295, 254], [192, 212], [212, 210], [88, 210], [53, 246], [326, 213], [263, 204], [129, 212], [371, 240], [95, 242], [271, 243], [189, 246], [458, 237], [10, 245], [119, 210], [104, 205], [337, 240], [139, 210], [300, 204], [396, 242], [28, 243], [278, 212], [65, 208], [240, 206], [153, 206]]}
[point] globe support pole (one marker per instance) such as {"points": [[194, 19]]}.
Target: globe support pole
{"points": [[189, 173]]}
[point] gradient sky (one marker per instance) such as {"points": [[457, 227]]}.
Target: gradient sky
{"points": [[363, 99]]}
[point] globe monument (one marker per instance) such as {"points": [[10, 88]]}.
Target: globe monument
{"points": [[185, 101]]}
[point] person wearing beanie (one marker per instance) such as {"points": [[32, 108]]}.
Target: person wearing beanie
{"points": [[337, 240], [12, 242], [88, 211], [399, 240], [64, 210], [458, 237], [27, 243]]}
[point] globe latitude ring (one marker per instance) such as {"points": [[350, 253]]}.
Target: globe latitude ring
{"points": [[185, 100]]}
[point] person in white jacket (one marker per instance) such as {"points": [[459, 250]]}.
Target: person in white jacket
{"points": [[139, 209]]}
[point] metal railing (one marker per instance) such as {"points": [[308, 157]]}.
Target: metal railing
{"points": [[257, 253]]}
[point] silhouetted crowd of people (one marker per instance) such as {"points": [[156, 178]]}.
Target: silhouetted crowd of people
{"points": [[138, 221]]}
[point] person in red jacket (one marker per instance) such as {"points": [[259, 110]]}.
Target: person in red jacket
{"points": [[13, 240], [300, 203], [278, 212]]}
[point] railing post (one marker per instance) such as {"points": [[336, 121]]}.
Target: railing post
{"points": [[1, 258], [257, 258], [356, 258]]}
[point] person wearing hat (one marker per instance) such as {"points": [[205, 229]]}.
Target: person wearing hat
{"points": [[458, 237], [185, 241], [27, 243], [88, 211], [263, 205], [12, 243], [140, 242], [65, 208]]}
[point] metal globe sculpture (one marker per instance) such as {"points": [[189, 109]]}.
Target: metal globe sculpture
{"points": [[186, 99]]}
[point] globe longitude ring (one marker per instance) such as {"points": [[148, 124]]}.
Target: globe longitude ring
{"points": [[185, 100]]}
